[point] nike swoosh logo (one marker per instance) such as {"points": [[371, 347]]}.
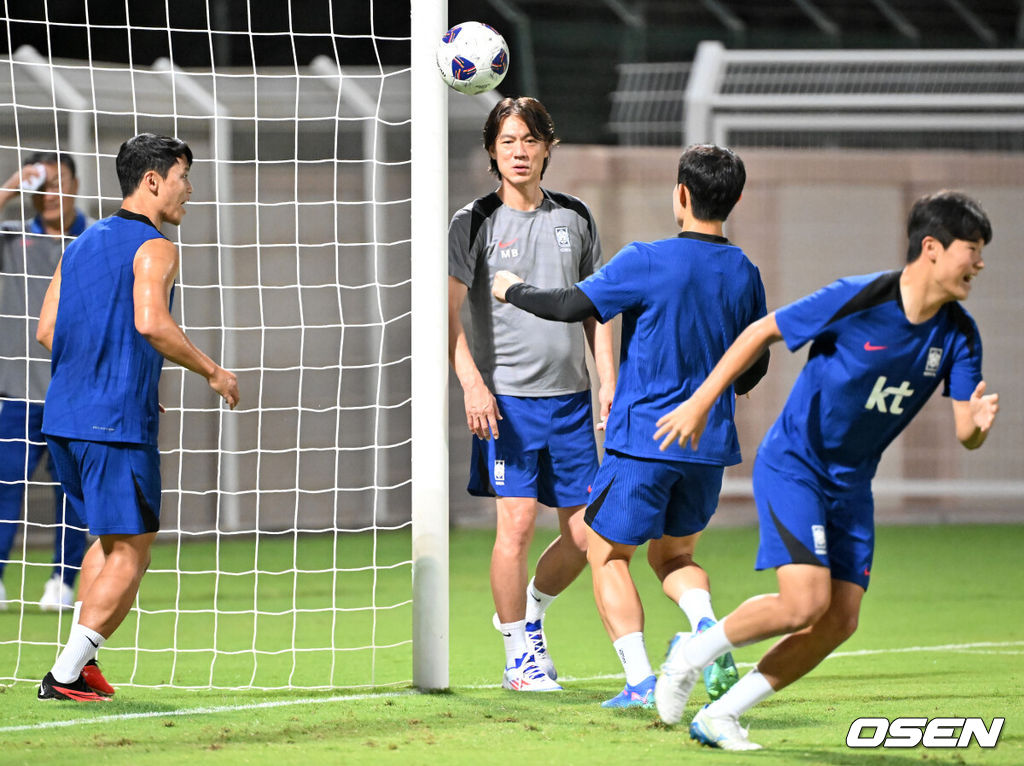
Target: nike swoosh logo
{"points": [[92, 642], [535, 598], [869, 347], [507, 244], [507, 635]]}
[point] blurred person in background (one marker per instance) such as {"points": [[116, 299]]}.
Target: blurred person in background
{"points": [[29, 253]]}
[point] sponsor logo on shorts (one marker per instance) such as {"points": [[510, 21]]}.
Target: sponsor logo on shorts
{"points": [[818, 533], [934, 733], [499, 473]]}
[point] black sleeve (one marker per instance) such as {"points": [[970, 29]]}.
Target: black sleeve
{"points": [[562, 304], [749, 378]]}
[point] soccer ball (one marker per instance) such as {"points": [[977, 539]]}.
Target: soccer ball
{"points": [[472, 57]]}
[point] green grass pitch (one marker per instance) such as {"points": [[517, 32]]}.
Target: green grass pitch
{"points": [[941, 635]]}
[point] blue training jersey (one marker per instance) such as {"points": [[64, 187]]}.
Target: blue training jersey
{"points": [[683, 302], [868, 372], [104, 373]]}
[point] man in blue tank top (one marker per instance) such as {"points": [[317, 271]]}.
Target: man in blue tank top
{"points": [[880, 345], [106, 320]]}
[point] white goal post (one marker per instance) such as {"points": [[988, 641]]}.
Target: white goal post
{"points": [[304, 538], [429, 151]]}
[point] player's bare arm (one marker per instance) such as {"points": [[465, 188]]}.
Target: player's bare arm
{"points": [[48, 312], [687, 421], [482, 414], [975, 417], [599, 337], [155, 267]]}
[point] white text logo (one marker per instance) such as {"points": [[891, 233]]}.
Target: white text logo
{"points": [[880, 392], [911, 732]]}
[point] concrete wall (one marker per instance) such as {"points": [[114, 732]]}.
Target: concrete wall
{"points": [[806, 218]]}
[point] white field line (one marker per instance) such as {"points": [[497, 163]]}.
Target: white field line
{"points": [[987, 647]]}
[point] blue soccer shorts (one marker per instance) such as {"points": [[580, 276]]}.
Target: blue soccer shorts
{"points": [[801, 523], [114, 486], [640, 499], [546, 450]]}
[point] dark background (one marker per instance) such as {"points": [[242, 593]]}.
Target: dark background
{"points": [[576, 44]]}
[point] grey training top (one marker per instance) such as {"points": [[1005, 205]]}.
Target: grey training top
{"points": [[27, 262], [555, 245]]}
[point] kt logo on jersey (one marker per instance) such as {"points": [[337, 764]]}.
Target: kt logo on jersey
{"points": [[888, 399]]}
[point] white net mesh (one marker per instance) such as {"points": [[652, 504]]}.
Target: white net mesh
{"points": [[283, 558]]}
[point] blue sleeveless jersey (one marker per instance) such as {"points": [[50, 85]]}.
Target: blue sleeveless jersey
{"points": [[104, 373]]}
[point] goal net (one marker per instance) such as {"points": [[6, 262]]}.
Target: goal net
{"points": [[284, 557]]}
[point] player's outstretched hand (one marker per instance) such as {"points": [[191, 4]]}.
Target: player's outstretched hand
{"points": [[502, 281], [685, 423], [983, 407], [482, 414], [225, 383]]}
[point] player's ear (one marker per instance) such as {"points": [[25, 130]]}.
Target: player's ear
{"points": [[684, 196], [930, 248]]}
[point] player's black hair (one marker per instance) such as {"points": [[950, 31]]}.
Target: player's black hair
{"points": [[529, 110], [146, 152], [53, 158], [945, 215], [715, 177]]}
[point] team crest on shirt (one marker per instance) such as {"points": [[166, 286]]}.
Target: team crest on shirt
{"points": [[562, 238], [931, 366], [818, 533], [499, 472]]}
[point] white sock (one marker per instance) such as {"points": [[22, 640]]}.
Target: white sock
{"points": [[77, 613], [633, 654], [514, 635], [747, 692], [696, 603], [705, 647], [80, 648], [536, 602]]}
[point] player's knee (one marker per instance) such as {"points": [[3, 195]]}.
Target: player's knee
{"points": [[577, 542], [842, 626], [513, 539], [848, 627], [803, 613]]}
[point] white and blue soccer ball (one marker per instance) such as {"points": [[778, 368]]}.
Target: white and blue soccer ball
{"points": [[472, 57]]}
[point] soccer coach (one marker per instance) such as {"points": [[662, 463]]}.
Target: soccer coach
{"points": [[106, 320]]}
